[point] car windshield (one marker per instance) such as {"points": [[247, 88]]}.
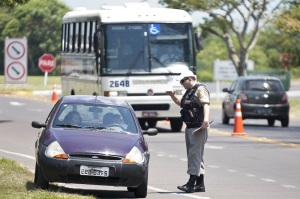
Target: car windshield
{"points": [[96, 117], [263, 85]]}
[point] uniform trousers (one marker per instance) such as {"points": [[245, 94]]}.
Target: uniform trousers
{"points": [[195, 150]]}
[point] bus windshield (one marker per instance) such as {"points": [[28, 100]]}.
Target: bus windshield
{"points": [[147, 48]]}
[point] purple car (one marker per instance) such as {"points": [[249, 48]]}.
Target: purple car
{"points": [[92, 140]]}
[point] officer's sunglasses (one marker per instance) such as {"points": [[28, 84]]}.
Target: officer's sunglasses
{"points": [[183, 80]]}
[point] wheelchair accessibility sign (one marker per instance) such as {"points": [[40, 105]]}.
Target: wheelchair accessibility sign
{"points": [[154, 29]]}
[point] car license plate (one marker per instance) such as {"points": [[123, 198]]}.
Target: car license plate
{"points": [[264, 110], [149, 114], [94, 171]]}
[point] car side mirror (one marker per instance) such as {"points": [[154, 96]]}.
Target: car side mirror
{"points": [[225, 90], [37, 124], [150, 132]]}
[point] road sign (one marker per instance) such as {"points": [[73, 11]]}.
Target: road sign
{"points": [[16, 50], [225, 70], [15, 60], [47, 63], [15, 71]]}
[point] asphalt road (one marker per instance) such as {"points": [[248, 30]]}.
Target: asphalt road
{"points": [[264, 164]]}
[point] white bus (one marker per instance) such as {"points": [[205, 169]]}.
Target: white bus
{"points": [[117, 51]]}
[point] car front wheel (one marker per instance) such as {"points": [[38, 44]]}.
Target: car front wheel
{"points": [[285, 122], [142, 123], [152, 123], [39, 179], [141, 191], [225, 118], [271, 122]]}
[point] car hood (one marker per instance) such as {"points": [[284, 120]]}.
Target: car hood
{"points": [[76, 141]]}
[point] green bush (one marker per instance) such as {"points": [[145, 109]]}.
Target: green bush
{"points": [[205, 76]]}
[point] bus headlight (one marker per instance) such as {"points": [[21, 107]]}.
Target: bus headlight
{"points": [[114, 93]]}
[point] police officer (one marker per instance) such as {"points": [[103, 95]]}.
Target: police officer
{"points": [[195, 114]]}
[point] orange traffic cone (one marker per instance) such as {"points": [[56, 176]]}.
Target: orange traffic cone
{"points": [[54, 94], [238, 120]]}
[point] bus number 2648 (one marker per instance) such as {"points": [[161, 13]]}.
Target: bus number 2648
{"points": [[123, 83]]}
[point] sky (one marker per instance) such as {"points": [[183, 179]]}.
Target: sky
{"points": [[96, 4]]}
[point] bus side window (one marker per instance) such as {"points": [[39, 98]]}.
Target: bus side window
{"points": [[78, 32], [68, 35], [90, 36], [84, 36], [63, 41], [94, 28], [74, 37]]}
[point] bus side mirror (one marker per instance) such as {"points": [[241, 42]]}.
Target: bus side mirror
{"points": [[97, 43], [199, 41]]}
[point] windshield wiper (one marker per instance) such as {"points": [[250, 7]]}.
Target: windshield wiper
{"points": [[69, 125], [134, 61], [95, 127], [103, 127], [162, 64]]}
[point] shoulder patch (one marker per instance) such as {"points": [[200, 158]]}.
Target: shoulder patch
{"points": [[203, 95]]}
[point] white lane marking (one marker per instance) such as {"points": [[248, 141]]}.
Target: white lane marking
{"points": [[232, 170], [250, 175], [35, 110], [160, 154], [177, 194], [267, 180], [183, 159], [214, 166], [16, 103], [172, 156], [213, 147], [289, 186], [18, 154]]}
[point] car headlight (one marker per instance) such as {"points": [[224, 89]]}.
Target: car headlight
{"points": [[134, 156], [54, 150]]}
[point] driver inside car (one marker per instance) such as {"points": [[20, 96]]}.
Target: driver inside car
{"points": [[111, 119], [73, 118]]}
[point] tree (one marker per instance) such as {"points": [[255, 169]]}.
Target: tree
{"points": [[288, 30], [232, 20], [12, 3], [40, 22]]}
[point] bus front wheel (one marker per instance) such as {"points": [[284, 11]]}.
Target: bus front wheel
{"points": [[152, 123], [176, 124], [142, 123]]}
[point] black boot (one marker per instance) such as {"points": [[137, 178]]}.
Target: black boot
{"points": [[199, 187], [189, 186]]}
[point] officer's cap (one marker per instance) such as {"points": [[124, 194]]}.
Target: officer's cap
{"points": [[186, 73]]}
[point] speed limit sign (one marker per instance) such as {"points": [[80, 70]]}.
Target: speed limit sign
{"points": [[16, 60]]}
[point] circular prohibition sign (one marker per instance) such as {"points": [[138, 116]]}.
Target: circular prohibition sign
{"points": [[15, 50], [15, 70]]}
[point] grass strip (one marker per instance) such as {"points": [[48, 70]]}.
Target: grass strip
{"points": [[16, 182]]}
